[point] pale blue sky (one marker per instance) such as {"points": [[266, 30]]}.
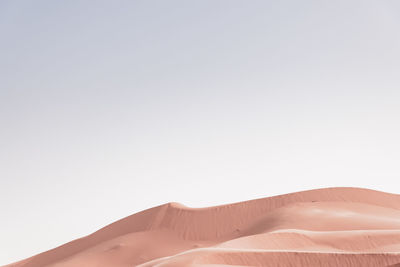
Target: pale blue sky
{"points": [[111, 107]]}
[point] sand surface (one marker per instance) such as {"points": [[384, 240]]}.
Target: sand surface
{"points": [[323, 227]]}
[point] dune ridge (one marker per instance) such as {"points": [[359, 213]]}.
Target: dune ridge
{"points": [[321, 227]]}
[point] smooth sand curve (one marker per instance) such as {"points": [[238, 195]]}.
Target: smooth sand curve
{"points": [[323, 227]]}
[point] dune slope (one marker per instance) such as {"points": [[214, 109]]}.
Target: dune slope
{"points": [[323, 227]]}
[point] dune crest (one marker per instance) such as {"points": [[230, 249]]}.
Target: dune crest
{"points": [[322, 227]]}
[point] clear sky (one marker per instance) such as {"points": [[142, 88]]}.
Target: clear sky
{"points": [[111, 107]]}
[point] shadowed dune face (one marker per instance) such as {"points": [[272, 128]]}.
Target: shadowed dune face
{"points": [[324, 227]]}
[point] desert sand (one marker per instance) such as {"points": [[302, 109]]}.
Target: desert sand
{"points": [[323, 227]]}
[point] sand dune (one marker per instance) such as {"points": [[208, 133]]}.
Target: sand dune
{"points": [[324, 227]]}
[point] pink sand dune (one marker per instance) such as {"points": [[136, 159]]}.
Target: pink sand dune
{"points": [[324, 227]]}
